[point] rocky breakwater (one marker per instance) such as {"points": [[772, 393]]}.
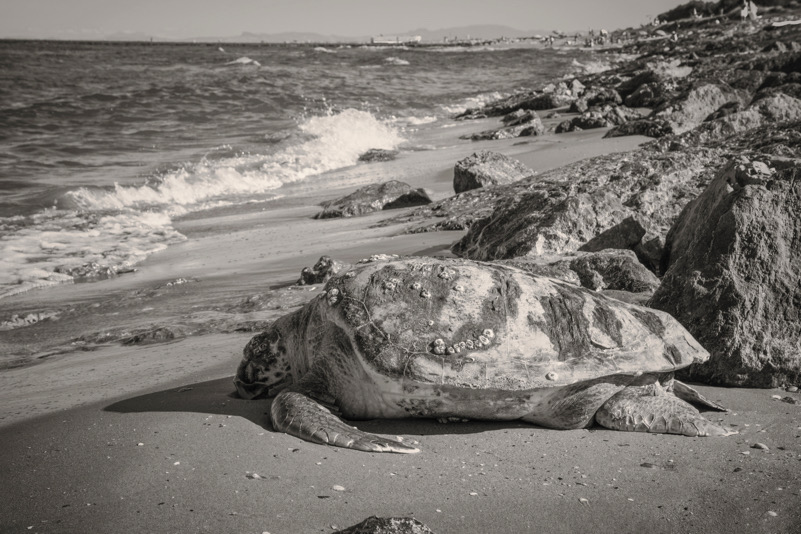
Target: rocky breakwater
{"points": [[733, 276]]}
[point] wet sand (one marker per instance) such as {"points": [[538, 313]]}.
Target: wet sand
{"points": [[150, 438]]}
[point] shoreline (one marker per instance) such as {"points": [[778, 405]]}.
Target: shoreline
{"points": [[105, 434]]}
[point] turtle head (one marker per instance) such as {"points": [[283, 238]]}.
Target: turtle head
{"points": [[265, 368]]}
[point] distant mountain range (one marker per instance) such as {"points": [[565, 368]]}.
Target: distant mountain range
{"points": [[486, 31]]}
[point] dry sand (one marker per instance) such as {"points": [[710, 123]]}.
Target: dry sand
{"points": [[151, 438]]}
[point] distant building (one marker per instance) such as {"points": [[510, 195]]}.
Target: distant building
{"points": [[395, 39]]}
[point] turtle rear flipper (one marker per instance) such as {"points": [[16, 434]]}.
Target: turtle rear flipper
{"points": [[642, 409], [300, 416], [689, 394]]}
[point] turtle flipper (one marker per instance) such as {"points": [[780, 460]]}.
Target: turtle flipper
{"points": [[689, 394], [298, 415], [651, 409]]}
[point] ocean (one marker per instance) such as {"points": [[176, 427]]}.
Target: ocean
{"points": [[103, 146]]}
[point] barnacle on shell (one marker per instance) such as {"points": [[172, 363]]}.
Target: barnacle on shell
{"points": [[426, 294], [333, 296], [551, 376], [484, 340], [489, 334]]}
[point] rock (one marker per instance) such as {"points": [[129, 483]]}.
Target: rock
{"points": [[576, 87], [325, 268], [599, 117], [374, 197], [733, 277], [625, 235], [487, 168], [690, 108], [579, 106], [545, 221], [603, 95], [388, 525], [726, 109], [520, 123], [647, 127], [770, 110], [648, 95], [630, 86], [653, 182], [378, 154], [615, 269], [528, 100]]}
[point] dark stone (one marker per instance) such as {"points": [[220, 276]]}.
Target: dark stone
{"points": [[647, 127], [378, 154], [374, 197], [325, 268], [604, 95], [485, 168], [726, 109], [625, 235], [388, 525], [648, 95]]}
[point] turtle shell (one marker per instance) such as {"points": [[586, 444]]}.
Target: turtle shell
{"points": [[482, 325]]}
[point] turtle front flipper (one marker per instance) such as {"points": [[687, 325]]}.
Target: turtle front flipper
{"points": [[298, 415], [649, 408]]}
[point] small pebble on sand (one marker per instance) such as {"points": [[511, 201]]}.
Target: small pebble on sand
{"points": [[772, 513], [337, 487], [760, 446]]}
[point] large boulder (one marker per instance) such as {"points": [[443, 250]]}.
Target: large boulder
{"points": [[734, 274], [696, 104], [374, 197], [485, 168], [545, 221]]}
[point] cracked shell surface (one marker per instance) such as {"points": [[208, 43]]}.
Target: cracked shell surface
{"points": [[512, 329]]}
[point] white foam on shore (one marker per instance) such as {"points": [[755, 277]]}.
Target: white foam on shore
{"points": [[111, 229], [333, 141]]}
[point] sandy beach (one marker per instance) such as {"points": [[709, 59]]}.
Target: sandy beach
{"points": [[152, 438], [118, 412]]}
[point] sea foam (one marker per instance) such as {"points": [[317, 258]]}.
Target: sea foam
{"points": [[106, 230]]}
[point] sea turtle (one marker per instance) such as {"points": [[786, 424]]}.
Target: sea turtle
{"points": [[459, 339]]}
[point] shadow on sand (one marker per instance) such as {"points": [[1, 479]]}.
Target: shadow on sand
{"points": [[218, 397]]}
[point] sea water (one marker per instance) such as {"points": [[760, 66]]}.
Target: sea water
{"points": [[103, 146]]}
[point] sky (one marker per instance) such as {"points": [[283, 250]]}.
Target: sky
{"points": [[183, 19]]}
